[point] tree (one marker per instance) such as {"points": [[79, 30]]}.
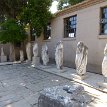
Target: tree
{"points": [[33, 12], [37, 14], [17, 13], [9, 16], [11, 8], [65, 3], [12, 32], [73, 2]]}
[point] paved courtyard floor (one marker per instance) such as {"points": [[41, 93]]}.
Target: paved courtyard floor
{"points": [[21, 84]]}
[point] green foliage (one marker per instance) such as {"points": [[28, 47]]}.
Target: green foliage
{"points": [[61, 4], [65, 3], [37, 14], [34, 12], [12, 32], [11, 8], [73, 2]]}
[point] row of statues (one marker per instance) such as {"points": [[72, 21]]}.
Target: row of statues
{"points": [[36, 59], [80, 59]]}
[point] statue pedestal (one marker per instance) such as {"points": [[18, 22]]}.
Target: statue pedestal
{"points": [[76, 76], [3, 58], [44, 67], [102, 85], [35, 61], [61, 70]]}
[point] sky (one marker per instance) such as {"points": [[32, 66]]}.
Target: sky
{"points": [[53, 8]]}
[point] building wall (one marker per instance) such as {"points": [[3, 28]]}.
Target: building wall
{"points": [[88, 31]]}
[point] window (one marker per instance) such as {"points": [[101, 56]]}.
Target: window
{"points": [[70, 26], [104, 21], [47, 32]]}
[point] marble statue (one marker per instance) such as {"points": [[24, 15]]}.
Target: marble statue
{"points": [[21, 56], [3, 57], [2, 51], [81, 58], [11, 53], [35, 50], [104, 63], [45, 56], [103, 84], [59, 55], [28, 51], [35, 58]]}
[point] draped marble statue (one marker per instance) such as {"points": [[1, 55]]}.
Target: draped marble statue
{"points": [[81, 58], [35, 59], [21, 56], [28, 51], [3, 57], [104, 63], [104, 70], [11, 53], [45, 55], [35, 50], [2, 51], [59, 55]]}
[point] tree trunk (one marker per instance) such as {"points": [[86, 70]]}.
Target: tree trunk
{"points": [[30, 33]]}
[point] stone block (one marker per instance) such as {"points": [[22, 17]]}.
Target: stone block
{"points": [[3, 58], [82, 77], [102, 85], [63, 96], [35, 61]]}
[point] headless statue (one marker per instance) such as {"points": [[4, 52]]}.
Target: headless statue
{"points": [[21, 56], [59, 55], [35, 50], [45, 56], [28, 51], [81, 58], [2, 51]]}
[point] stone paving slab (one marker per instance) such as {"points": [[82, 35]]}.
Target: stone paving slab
{"points": [[22, 103], [91, 79], [21, 85], [9, 63]]}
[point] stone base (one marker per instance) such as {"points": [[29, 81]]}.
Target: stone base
{"points": [[44, 67], [3, 58], [28, 61], [61, 70], [35, 61], [76, 76], [11, 59], [102, 85]]}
